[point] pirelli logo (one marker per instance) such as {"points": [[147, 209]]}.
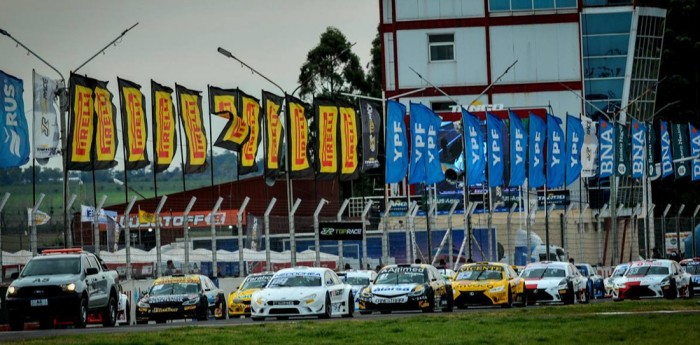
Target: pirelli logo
{"points": [[83, 124]]}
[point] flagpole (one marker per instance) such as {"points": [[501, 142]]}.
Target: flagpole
{"points": [[179, 139]]}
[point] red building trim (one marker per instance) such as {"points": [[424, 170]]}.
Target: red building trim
{"points": [[496, 89], [425, 24]]}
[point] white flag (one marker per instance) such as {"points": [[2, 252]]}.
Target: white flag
{"points": [[46, 134], [589, 152], [40, 217]]}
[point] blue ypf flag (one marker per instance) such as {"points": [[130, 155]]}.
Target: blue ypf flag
{"points": [[420, 122], [14, 132], [433, 167], [666, 158], [538, 133], [574, 145], [396, 143], [518, 150], [474, 139], [556, 157], [494, 126]]}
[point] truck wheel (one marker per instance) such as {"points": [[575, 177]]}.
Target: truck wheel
{"points": [[109, 314], [81, 318]]}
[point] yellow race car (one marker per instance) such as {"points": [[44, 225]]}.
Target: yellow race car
{"points": [[239, 300], [488, 283]]}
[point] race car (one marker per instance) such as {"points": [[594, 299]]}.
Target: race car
{"points": [[487, 283], [303, 291], [692, 266], [181, 297], [407, 287], [653, 279], [358, 279], [595, 286], [239, 300], [609, 282], [548, 281]]}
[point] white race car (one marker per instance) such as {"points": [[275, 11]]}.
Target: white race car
{"points": [[554, 282], [358, 279], [303, 291], [652, 278], [617, 273]]}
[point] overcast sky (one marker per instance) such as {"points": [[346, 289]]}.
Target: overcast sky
{"points": [[176, 41]]}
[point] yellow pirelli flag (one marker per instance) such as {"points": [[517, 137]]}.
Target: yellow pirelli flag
{"points": [[164, 126], [326, 121], [106, 129], [250, 110], [224, 103], [349, 141], [146, 217], [298, 135], [190, 111], [272, 104], [134, 127]]}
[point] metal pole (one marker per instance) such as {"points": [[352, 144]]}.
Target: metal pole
{"points": [[385, 235], [511, 250], [564, 229], [212, 221], [239, 215], [692, 232], [447, 237], [413, 232], [634, 228], [678, 230], [96, 224], [470, 235], [32, 241], [339, 217], [3, 201], [547, 212], [663, 230], [186, 232], [317, 240], [292, 235], [127, 237], [428, 232], [532, 213], [159, 260], [599, 219], [409, 219], [69, 231], [580, 231], [268, 264], [649, 237], [365, 263]]}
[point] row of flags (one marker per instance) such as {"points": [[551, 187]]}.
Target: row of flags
{"points": [[328, 138]]}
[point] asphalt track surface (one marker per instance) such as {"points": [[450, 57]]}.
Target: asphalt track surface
{"points": [[153, 327]]}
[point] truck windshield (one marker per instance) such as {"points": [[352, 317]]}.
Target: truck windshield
{"points": [[52, 266]]}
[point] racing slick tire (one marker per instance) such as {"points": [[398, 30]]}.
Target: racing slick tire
{"points": [[431, 303], [45, 323], [82, 312], [584, 297], [570, 297], [222, 306], [16, 322], [450, 303], [350, 306], [206, 312], [672, 292], [109, 314], [508, 303], [523, 299], [327, 309]]}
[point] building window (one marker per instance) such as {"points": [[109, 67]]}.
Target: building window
{"points": [[442, 107], [442, 47], [529, 5]]}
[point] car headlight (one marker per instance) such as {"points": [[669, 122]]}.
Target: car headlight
{"points": [[366, 293], [417, 291], [143, 304], [619, 285], [498, 289], [260, 301], [563, 284], [664, 281], [309, 299], [191, 301], [68, 287], [11, 291]]}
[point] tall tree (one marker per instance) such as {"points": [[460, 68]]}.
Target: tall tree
{"points": [[374, 68], [331, 68]]}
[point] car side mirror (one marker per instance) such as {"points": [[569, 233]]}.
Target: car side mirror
{"points": [[91, 271], [14, 275]]}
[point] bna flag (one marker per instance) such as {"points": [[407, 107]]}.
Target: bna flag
{"points": [[494, 127], [574, 143], [225, 103], [518, 150], [272, 104], [622, 153], [250, 112], [606, 140], [639, 133], [298, 133], [556, 157], [474, 152], [46, 134], [680, 149], [396, 143], [189, 104], [651, 140], [164, 134], [92, 135], [327, 151], [538, 133], [134, 127], [589, 152], [14, 132], [349, 141], [695, 151], [666, 159], [371, 121]]}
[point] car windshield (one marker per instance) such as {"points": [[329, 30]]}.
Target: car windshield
{"points": [[693, 269], [619, 272], [393, 278], [479, 275], [544, 272], [174, 289], [583, 270], [58, 265], [255, 282], [295, 280], [647, 271], [356, 280]]}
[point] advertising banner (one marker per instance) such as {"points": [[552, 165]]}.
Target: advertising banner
{"points": [[134, 126], [298, 138], [574, 144], [326, 122], [340, 231], [538, 134], [224, 103], [250, 112], [190, 114], [272, 104], [349, 142], [396, 143], [46, 133], [371, 122]]}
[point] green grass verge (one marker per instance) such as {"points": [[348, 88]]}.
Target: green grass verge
{"points": [[556, 325]]}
